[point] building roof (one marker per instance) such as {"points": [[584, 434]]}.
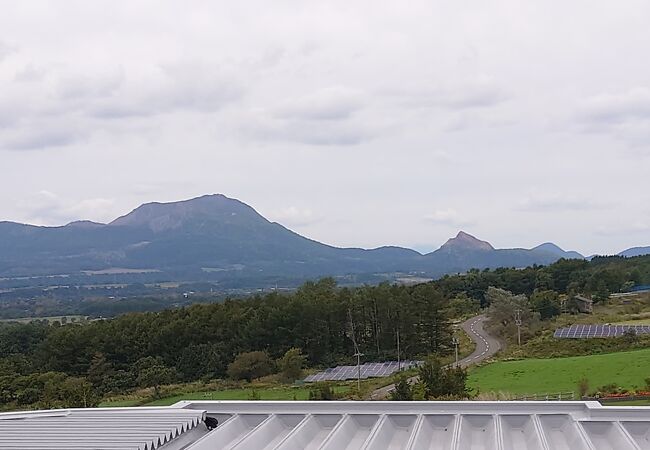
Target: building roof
{"points": [[96, 428], [339, 425]]}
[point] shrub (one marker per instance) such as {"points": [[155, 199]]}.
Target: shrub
{"points": [[250, 365], [322, 391], [403, 390], [291, 364], [583, 387]]}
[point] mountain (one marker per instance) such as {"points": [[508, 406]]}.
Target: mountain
{"points": [[216, 238], [209, 233], [553, 249], [465, 252], [635, 251], [464, 241]]}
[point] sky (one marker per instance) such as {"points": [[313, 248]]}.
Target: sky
{"points": [[362, 123]]}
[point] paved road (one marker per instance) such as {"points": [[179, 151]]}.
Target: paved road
{"points": [[486, 346]]}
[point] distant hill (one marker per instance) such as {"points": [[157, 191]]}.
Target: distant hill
{"points": [[553, 249], [635, 251], [219, 238]]}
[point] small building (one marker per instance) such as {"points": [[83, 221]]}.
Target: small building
{"points": [[585, 305]]}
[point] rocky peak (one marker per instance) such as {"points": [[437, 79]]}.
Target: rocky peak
{"points": [[466, 241]]}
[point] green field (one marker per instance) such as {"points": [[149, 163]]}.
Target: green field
{"points": [[634, 322], [279, 393], [539, 376]]}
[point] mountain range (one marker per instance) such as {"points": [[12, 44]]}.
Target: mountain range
{"points": [[215, 237]]}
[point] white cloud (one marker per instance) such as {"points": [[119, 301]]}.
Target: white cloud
{"points": [[335, 103], [5, 50], [264, 128], [47, 208], [613, 109], [74, 86], [33, 138], [292, 216], [624, 115], [59, 107], [448, 217], [634, 226], [551, 202], [459, 96]]}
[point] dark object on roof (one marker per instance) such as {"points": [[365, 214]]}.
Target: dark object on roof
{"points": [[211, 423]]}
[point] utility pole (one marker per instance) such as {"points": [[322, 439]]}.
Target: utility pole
{"points": [[455, 341], [399, 362], [518, 323], [357, 353]]}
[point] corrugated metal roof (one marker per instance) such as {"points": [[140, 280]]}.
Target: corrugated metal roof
{"points": [[424, 425], [335, 426], [99, 428]]}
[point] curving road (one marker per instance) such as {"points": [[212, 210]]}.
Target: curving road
{"points": [[486, 346]]}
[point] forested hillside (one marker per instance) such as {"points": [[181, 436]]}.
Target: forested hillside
{"points": [[201, 340], [75, 364]]}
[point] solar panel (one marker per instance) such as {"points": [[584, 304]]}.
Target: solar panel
{"points": [[580, 331], [368, 370]]}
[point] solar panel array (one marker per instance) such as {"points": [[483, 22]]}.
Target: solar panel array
{"points": [[599, 331], [368, 370]]}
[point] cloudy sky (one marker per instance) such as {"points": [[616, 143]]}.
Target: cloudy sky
{"points": [[355, 123]]}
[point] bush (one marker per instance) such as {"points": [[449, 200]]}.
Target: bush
{"points": [[155, 376], [250, 365], [254, 395], [291, 365], [403, 390], [583, 387], [322, 391], [438, 381]]}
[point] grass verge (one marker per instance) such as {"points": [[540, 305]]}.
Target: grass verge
{"points": [[267, 393]]}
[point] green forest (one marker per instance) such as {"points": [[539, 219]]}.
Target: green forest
{"points": [[76, 364]]}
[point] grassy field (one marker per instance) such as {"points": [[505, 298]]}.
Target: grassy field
{"points": [[538, 376], [634, 322]]}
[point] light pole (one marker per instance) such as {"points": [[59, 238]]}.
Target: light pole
{"points": [[455, 341]]}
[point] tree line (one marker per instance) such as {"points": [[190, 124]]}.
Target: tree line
{"points": [[325, 322], [202, 340]]}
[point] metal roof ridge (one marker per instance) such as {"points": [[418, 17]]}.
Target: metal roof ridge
{"points": [[34, 414]]}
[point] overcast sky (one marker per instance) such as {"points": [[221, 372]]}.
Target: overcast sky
{"points": [[356, 123]]}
